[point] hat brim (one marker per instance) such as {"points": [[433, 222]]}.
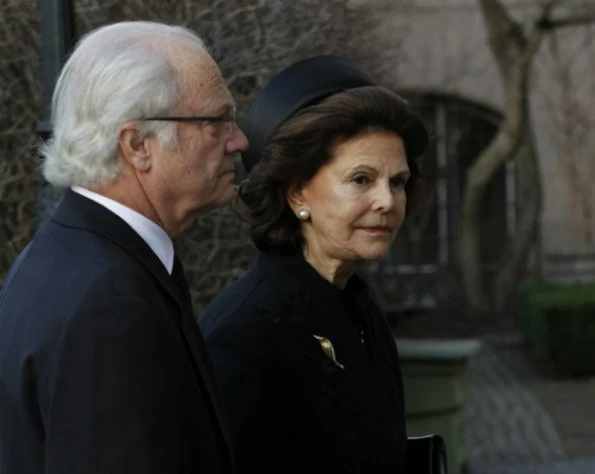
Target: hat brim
{"points": [[299, 85]]}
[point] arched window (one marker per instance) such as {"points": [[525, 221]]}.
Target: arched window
{"points": [[427, 246]]}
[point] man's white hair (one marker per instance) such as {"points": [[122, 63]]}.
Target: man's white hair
{"points": [[116, 74]]}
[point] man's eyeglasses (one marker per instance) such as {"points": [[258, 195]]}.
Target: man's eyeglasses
{"points": [[230, 120]]}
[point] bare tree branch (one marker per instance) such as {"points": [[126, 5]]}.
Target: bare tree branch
{"points": [[506, 36], [585, 17], [513, 49]]}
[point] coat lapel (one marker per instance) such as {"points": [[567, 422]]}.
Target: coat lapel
{"points": [[79, 212]]}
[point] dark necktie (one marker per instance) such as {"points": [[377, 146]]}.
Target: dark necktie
{"points": [[180, 280], [193, 337]]}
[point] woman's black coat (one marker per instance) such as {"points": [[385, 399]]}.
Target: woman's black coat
{"points": [[290, 407]]}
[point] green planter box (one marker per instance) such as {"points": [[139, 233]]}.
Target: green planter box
{"points": [[558, 322], [435, 383]]}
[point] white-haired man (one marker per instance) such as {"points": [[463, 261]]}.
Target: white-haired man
{"points": [[102, 367]]}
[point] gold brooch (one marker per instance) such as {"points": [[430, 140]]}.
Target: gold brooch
{"points": [[328, 349]]}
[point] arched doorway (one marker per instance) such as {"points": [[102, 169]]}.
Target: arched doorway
{"points": [[424, 260]]}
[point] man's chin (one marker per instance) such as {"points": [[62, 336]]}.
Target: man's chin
{"points": [[230, 194], [225, 198]]}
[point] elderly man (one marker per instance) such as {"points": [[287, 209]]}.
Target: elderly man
{"points": [[102, 367]]}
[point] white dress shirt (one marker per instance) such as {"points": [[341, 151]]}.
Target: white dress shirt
{"points": [[155, 237]]}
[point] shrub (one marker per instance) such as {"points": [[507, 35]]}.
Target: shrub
{"points": [[558, 322]]}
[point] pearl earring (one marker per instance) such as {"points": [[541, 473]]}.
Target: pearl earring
{"points": [[303, 215]]}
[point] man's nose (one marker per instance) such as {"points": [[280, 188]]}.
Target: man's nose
{"points": [[237, 141]]}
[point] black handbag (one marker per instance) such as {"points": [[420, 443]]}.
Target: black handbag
{"points": [[425, 455]]}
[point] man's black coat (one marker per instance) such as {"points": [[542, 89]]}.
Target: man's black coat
{"points": [[102, 367]]}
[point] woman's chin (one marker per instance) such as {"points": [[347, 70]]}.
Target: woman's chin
{"points": [[374, 252]]}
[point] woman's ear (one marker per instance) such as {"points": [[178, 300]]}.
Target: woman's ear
{"points": [[134, 149], [295, 198]]}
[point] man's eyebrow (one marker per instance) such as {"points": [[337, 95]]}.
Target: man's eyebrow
{"points": [[229, 107]]}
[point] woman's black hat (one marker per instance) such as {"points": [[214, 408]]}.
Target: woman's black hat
{"points": [[301, 84]]}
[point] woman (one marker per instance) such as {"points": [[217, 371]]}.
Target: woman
{"points": [[307, 366]]}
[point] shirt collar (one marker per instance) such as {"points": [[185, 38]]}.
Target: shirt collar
{"points": [[155, 237]]}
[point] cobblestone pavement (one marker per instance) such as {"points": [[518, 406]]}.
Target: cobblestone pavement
{"points": [[581, 466], [508, 429]]}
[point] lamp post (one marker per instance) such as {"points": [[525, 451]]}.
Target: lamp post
{"points": [[57, 39]]}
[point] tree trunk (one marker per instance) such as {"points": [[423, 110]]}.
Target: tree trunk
{"points": [[505, 145], [513, 51], [530, 201]]}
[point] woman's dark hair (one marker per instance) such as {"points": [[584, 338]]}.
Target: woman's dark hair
{"points": [[306, 142]]}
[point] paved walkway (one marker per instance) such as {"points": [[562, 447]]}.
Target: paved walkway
{"points": [[568, 467], [509, 430]]}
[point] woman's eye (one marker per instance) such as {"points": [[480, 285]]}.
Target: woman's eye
{"points": [[361, 179], [398, 183]]}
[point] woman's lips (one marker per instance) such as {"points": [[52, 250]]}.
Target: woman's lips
{"points": [[378, 230]]}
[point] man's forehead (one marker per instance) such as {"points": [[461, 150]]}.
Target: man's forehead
{"points": [[202, 82], [217, 97], [211, 91], [215, 102]]}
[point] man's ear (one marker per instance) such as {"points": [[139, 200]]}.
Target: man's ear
{"points": [[136, 151]]}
